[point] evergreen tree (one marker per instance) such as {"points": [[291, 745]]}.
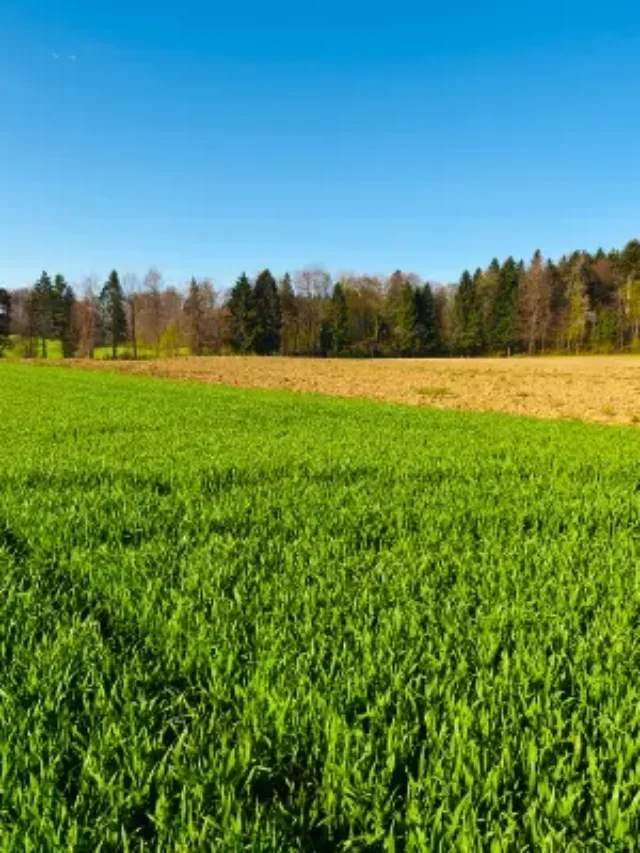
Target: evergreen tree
{"points": [[630, 259], [113, 312], [5, 320], [488, 287], [43, 308], [268, 319], [392, 308], [605, 330], [195, 312], [428, 333], [443, 300], [241, 315], [501, 326], [405, 321], [289, 310], [600, 281], [326, 337], [467, 318], [339, 320], [5, 311], [63, 300], [478, 293]]}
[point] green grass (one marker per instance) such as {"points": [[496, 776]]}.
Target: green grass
{"points": [[19, 350], [243, 620]]}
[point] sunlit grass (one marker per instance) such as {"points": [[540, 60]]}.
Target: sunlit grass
{"points": [[246, 620]]}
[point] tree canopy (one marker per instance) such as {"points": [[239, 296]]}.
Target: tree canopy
{"points": [[580, 302]]}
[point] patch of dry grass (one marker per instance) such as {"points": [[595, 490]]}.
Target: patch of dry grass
{"points": [[591, 388]]}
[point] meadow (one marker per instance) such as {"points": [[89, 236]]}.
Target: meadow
{"points": [[253, 620], [20, 350]]}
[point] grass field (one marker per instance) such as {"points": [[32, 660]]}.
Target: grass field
{"points": [[19, 350], [604, 389], [250, 620]]}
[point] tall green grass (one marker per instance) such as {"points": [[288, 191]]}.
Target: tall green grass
{"points": [[243, 620]]}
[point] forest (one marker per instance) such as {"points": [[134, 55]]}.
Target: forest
{"points": [[583, 302]]}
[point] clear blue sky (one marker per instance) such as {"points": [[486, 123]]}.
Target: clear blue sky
{"points": [[208, 138]]}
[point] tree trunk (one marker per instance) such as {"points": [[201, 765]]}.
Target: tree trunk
{"points": [[134, 340]]}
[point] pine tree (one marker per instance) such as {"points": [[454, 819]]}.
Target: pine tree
{"points": [[63, 300], [488, 287], [43, 307], [289, 309], [392, 308], [241, 315], [428, 333], [339, 320], [326, 337], [268, 319], [5, 320], [478, 294], [194, 310], [503, 310], [405, 321], [467, 319], [630, 259], [5, 311], [113, 311]]}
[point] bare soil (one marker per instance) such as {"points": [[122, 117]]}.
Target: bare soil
{"points": [[605, 389]]}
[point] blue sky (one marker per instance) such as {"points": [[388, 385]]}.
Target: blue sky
{"points": [[208, 138]]}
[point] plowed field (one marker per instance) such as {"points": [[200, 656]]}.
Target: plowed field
{"points": [[605, 389]]}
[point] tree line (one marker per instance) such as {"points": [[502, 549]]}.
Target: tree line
{"points": [[583, 302]]}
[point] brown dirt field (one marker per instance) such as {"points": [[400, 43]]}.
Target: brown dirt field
{"points": [[605, 389]]}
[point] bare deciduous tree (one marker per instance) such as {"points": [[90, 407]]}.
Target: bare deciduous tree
{"points": [[535, 305], [85, 317], [153, 313], [131, 289], [313, 285]]}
